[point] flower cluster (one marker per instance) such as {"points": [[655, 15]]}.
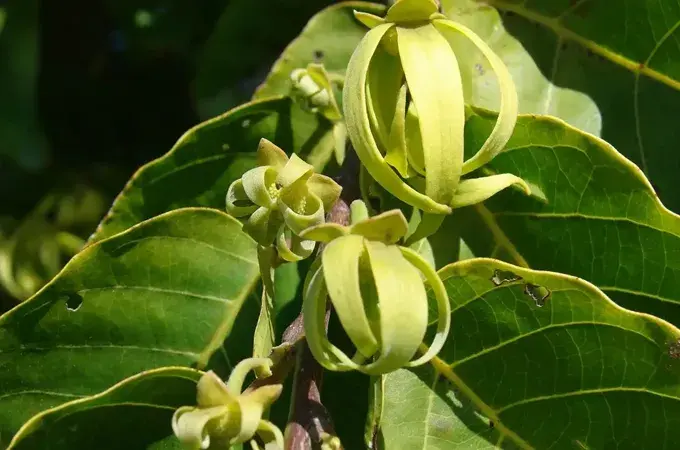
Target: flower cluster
{"points": [[377, 290], [280, 198], [405, 111], [225, 415]]}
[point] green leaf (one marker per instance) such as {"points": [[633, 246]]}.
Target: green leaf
{"points": [[578, 372], [198, 170], [626, 59], [163, 293], [134, 413], [330, 38], [592, 214]]}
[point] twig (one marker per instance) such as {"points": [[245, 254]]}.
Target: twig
{"points": [[308, 419]]}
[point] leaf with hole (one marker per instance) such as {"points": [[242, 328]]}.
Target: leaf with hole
{"points": [[164, 293], [578, 371]]}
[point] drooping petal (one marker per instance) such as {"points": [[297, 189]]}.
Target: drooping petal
{"points": [[443, 304], [302, 211], [397, 155], [341, 272], [252, 405], [359, 129], [428, 225], [263, 225], [436, 88], [340, 141], [269, 154], [402, 306], [330, 109], [295, 170], [414, 140], [238, 203], [370, 20], [477, 190], [292, 248], [271, 435], [385, 77], [507, 116], [240, 372]]}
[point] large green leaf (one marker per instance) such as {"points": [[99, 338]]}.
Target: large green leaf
{"points": [[626, 58], [200, 167], [331, 36], [593, 214], [135, 413], [578, 372], [164, 293]]}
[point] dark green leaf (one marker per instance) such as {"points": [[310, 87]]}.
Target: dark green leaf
{"points": [[133, 414], [593, 214], [198, 170], [626, 58], [578, 372], [164, 293]]}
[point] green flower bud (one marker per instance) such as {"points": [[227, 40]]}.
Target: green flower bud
{"points": [[227, 416], [279, 198], [405, 111], [377, 290], [314, 86]]}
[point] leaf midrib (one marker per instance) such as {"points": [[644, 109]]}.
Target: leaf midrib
{"points": [[636, 67]]}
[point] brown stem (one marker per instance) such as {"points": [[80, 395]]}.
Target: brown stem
{"points": [[309, 419]]}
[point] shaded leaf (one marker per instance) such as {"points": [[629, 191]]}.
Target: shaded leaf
{"points": [[165, 292], [134, 413], [578, 371], [198, 170], [592, 214]]}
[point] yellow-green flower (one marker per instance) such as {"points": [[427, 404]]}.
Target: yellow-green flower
{"points": [[377, 291], [405, 113], [315, 87], [225, 416], [281, 197]]}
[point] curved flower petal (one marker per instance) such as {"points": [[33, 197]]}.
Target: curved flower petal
{"points": [[397, 154], [340, 262], [443, 305], [292, 248], [238, 203], [190, 425], [325, 232], [370, 20], [301, 211], [359, 129], [271, 435], [507, 116], [385, 78], [325, 188], [211, 391], [414, 141], [240, 372], [252, 405], [260, 186], [295, 172], [477, 190], [263, 225], [435, 84]]}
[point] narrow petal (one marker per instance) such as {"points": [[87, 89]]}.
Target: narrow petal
{"points": [[240, 372], [302, 213], [295, 170], [263, 225], [271, 435], [385, 78], [414, 140], [477, 190], [428, 225], [325, 188], [341, 272], [359, 129], [370, 20], [507, 116], [325, 232], [292, 248], [403, 307], [396, 155], [443, 304], [435, 85], [340, 141]]}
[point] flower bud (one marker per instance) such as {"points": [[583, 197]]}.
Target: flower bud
{"points": [[405, 111], [227, 416], [279, 198], [377, 290]]}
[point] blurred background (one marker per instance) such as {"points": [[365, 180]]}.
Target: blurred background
{"points": [[92, 89]]}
